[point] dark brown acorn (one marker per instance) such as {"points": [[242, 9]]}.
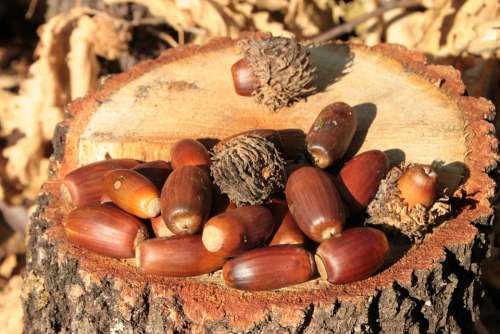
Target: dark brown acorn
{"points": [[278, 208], [237, 230], [155, 171], [419, 185], [244, 81], [83, 185], [160, 228], [186, 200], [331, 134], [315, 203], [105, 229], [269, 268], [352, 256], [176, 257], [132, 192], [189, 152], [288, 233], [359, 179]]}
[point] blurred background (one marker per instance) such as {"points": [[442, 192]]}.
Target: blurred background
{"points": [[53, 51]]}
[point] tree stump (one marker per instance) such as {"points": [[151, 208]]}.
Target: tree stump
{"points": [[404, 106]]}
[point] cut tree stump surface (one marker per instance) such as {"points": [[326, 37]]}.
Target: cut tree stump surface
{"points": [[403, 106]]}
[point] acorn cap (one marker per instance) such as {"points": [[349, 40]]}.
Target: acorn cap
{"points": [[248, 169], [283, 69], [388, 209]]}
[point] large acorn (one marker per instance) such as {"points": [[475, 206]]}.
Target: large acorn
{"points": [[277, 71], [248, 169]]}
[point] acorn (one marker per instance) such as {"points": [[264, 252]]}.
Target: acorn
{"points": [[159, 227], [352, 256], [83, 185], [132, 192], [189, 152], [288, 232], [359, 179], [331, 134], [155, 171], [186, 200], [278, 208], [269, 268], [237, 230], [419, 185], [248, 169], [179, 256], [277, 71], [105, 229], [314, 203]]}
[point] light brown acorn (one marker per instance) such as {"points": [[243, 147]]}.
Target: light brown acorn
{"points": [[176, 257], [288, 233], [331, 134], [155, 171], [186, 200], [132, 192], [359, 179], [159, 227], [237, 230], [315, 203], [419, 185], [105, 229], [244, 81], [269, 268], [352, 256], [189, 152], [83, 185]]}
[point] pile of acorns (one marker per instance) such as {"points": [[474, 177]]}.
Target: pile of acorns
{"points": [[241, 222]]}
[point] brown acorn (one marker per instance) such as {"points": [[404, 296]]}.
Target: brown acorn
{"points": [[105, 229], [237, 230], [132, 192], [244, 81], [331, 134], [269, 268], [83, 185], [288, 233], [155, 171], [176, 257], [186, 200], [315, 203], [160, 228], [359, 179], [189, 152], [352, 256], [278, 208], [419, 185]]}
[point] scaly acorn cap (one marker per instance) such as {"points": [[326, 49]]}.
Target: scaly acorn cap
{"points": [[389, 210], [283, 68], [249, 169]]}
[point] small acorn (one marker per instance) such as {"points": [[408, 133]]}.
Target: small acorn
{"points": [[352, 256], [359, 179], [159, 227], [237, 230], [155, 171], [105, 229], [269, 268], [419, 185], [186, 200], [83, 185], [277, 71], [132, 192], [331, 134], [288, 233], [189, 152], [314, 203], [179, 256]]}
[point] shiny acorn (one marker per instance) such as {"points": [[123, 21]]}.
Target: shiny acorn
{"points": [[331, 134], [159, 227], [419, 185], [352, 256], [155, 171], [359, 179], [105, 229], [189, 152], [237, 230], [288, 233], [269, 268], [83, 185], [314, 203], [244, 80], [186, 200], [179, 256], [132, 192]]}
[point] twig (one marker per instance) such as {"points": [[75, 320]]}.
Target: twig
{"points": [[349, 26], [31, 9]]}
